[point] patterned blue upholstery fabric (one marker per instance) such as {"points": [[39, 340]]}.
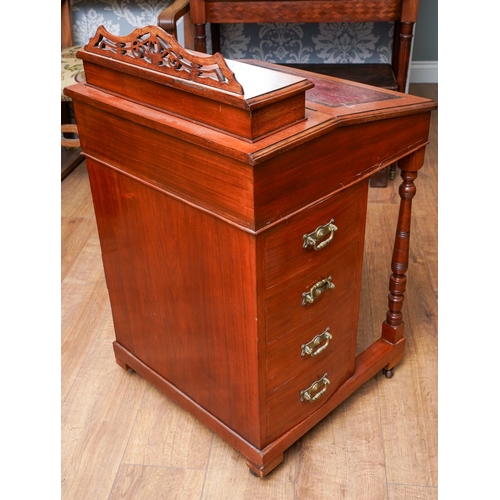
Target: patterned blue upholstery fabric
{"points": [[119, 17], [309, 42]]}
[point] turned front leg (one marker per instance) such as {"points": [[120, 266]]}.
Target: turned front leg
{"points": [[393, 326], [400, 257]]}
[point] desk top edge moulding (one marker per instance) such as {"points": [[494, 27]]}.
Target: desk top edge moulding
{"points": [[231, 216]]}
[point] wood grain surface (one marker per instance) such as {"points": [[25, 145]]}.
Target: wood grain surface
{"points": [[123, 439]]}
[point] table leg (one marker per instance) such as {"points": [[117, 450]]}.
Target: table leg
{"points": [[393, 326]]}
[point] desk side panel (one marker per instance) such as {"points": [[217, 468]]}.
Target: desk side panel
{"points": [[193, 173], [332, 161], [182, 290]]}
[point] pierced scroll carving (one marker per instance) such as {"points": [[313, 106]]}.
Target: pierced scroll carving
{"points": [[155, 49]]}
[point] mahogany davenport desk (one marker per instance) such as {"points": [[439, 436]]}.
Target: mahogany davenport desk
{"points": [[230, 201]]}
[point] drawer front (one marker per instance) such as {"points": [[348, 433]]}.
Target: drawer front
{"points": [[288, 405], [310, 348], [339, 219], [284, 309]]}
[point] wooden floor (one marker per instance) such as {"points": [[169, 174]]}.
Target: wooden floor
{"points": [[123, 439]]}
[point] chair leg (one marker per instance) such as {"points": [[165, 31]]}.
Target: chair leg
{"points": [[392, 171], [380, 179], [69, 142], [71, 153], [66, 112]]}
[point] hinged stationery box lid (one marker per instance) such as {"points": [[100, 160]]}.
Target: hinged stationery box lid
{"points": [[150, 67]]}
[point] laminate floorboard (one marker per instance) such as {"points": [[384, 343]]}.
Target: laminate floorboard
{"points": [[123, 439]]}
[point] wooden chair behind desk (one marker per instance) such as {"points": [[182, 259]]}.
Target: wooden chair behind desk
{"points": [[72, 72], [392, 76]]}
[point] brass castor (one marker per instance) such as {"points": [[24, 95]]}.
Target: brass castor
{"points": [[388, 373], [253, 473], [392, 172]]}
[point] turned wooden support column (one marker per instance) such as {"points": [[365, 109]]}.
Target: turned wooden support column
{"points": [[393, 326], [402, 53], [200, 38]]}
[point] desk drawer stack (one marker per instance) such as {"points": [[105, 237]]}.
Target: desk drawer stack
{"points": [[233, 254], [295, 317]]}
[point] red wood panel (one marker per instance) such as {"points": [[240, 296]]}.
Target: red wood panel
{"points": [[191, 172], [284, 360], [284, 309], [332, 161], [285, 255], [182, 289], [219, 115], [285, 408]]}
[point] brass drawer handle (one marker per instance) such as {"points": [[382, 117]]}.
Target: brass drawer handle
{"points": [[307, 395], [320, 232], [308, 349], [317, 290]]}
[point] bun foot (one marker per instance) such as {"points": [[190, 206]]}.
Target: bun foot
{"points": [[388, 373], [119, 362], [264, 467]]}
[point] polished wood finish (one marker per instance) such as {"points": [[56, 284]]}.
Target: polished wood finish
{"points": [[66, 28], [393, 327], [168, 18], [391, 76], [183, 212], [271, 101], [121, 437]]}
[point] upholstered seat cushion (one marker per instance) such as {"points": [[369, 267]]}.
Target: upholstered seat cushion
{"points": [[71, 69]]}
